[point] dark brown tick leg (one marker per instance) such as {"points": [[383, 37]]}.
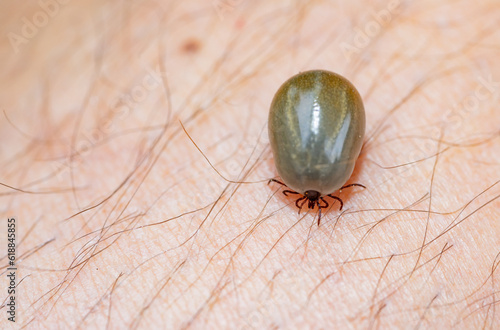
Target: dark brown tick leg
{"points": [[324, 201], [319, 212], [336, 198], [353, 185], [321, 207], [274, 180], [285, 192], [303, 199]]}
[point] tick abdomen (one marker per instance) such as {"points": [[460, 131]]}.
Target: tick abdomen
{"points": [[316, 129]]}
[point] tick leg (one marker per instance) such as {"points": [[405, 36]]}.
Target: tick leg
{"points": [[353, 185], [274, 180], [285, 192], [303, 199], [319, 212], [336, 198], [324, 201], [321, 207]]}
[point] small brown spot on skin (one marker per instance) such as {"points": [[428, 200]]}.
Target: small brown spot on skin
{"points": [[240, 23], [191, 46]]}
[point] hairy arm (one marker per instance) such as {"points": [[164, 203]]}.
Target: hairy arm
{"points": [[122, 222]]}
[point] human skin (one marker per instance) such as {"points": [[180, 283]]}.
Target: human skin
{"points": [[122, 222]]}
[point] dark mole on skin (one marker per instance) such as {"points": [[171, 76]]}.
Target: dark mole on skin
{"points": [[191, 46]]}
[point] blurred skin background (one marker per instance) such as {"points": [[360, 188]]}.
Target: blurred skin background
{"points": [[121, 221]]}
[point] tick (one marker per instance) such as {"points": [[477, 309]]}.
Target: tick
{"points": [[316, 128]]}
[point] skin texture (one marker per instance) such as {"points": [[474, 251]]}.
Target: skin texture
{"points": [[316, 129], [122, 223]]}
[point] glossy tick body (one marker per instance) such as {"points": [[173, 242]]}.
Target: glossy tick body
{"points": [[316, 128]]}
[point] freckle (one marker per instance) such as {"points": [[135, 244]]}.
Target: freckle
{"points": [[191, 46], [240, 23]]}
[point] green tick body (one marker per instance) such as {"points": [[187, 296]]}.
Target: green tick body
{"points": [[316, 128]]}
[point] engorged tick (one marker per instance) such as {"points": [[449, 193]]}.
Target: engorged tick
{"points": [[316, 128]]}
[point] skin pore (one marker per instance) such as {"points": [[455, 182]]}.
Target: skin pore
{"points": [[122, 222]]}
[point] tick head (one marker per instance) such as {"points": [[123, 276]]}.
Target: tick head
{"points": [[312, 195]]}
